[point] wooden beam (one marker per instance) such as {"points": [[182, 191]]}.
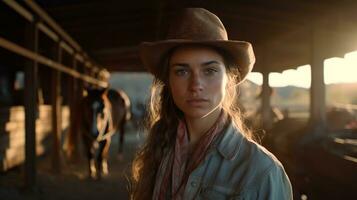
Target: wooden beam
{"points": [[74, 95], [48, 31], [19, 9], [56, 113], [43, 15], [56, 27], [31, 108], [48, 62], [267, 122], [317, 91], [66, 47]]}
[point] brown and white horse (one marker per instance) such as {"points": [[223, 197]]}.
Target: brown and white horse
{"points": [[120, 99], [100, 114]]}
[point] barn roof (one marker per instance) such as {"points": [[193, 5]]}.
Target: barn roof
{"points": [[281, 31]]}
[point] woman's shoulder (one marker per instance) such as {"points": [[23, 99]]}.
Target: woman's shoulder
{"points": [[247, 152], [266, 169], [251, 163], [259, 154]]}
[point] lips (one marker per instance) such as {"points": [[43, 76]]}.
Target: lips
{"points": [[196, 101]]}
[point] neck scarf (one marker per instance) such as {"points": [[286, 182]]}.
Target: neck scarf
{"points": [[177, 165]]}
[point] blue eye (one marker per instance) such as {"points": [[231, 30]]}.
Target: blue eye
{"points": [[210, 71], [181, 72]]}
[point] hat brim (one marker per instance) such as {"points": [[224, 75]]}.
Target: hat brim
{"points": [[152, 53]]}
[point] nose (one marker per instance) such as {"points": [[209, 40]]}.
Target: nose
{"points": [[196, 83]]}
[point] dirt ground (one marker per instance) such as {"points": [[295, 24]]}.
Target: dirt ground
{"points": [[72, 183]]}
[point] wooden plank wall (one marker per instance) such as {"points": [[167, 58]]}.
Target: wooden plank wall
{"points": [[12, 133]]}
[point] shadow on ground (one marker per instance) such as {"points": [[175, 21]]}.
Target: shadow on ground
{"points": [[72, 183]]}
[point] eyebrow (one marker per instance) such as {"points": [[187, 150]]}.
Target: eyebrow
{"points": [[203, 64], [210, 62], [180, 65]]}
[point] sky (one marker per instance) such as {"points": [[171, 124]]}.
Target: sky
{"points": [[336, 70]]}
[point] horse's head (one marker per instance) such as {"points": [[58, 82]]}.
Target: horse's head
{"points": [[96, 100], [94, 110]]}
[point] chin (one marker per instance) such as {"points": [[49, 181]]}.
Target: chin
{"points": [[197, 113]]}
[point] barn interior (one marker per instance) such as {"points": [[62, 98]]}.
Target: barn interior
{"points": [[50, 50]]}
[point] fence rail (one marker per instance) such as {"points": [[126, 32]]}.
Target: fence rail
{"points": [[345, 106], [50, 28], [48, 62], [38, 20]]}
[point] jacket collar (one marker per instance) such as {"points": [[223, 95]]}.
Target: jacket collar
{"points": [[230, 142]]}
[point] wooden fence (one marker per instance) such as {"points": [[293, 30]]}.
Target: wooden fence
{"points": [[23, 122], [12, 133]]}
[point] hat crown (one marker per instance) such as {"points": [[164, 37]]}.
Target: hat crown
{"points": [[197, 24]]}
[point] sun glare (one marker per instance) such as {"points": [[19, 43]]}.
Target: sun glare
{"points": [[255, 77], [336, 70], [299, 77], [341, 70]]}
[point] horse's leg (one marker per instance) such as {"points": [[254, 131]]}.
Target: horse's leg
{"points": [[90, 152], [121, 139], [105, 155], [102, 159], [93, 172]]}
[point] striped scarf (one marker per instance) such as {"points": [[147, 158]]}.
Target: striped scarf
{"points": [[177, 165]]}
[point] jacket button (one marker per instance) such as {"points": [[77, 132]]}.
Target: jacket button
{"points": [[193, 184]]}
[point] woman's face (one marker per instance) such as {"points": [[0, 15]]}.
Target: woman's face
{"points": [[197, 79]]}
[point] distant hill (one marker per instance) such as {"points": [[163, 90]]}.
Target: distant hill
{"points": [[297, 98], [343, 93], [289, 91]]}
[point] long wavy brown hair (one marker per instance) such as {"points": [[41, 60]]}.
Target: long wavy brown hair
{"points": [[162, 121]]}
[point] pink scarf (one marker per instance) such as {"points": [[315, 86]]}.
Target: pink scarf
{"points": [[177, 165]]}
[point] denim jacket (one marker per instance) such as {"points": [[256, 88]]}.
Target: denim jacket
{"points": [[237, 168]]}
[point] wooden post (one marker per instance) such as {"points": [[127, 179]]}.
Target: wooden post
{"points": [[31, 108], [72, 151], [56, 113], [265, 102], [317, 91]]}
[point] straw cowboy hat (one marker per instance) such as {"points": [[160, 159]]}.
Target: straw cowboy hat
{"points": [[197, 26]]}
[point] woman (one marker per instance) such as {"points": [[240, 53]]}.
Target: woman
{"points": [[197, 147]]}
